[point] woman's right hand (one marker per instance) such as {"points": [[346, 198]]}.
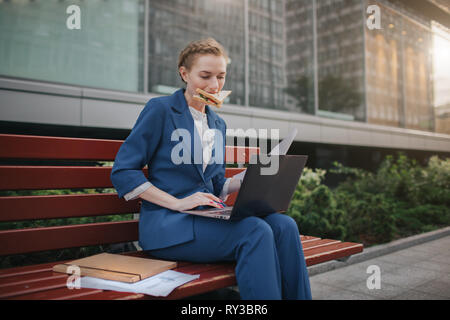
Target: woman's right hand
{"points": [[198, 199]]}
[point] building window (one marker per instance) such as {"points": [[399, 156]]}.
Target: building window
{"points": [[106, 52]]}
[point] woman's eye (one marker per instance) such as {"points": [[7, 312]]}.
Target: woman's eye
{"points": [[207, 77]]}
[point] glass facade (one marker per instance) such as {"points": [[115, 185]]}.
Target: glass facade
{"points": [[441, 78], [174, 23], [315, 57], [404, 70], [385, 72], [300, 57], [340, 52], [36, 43], [266, 53]]}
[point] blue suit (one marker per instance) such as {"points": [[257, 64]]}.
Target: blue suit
{"points": [[268, 252]]}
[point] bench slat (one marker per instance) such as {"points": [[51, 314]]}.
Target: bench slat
{"points": [[318, 243], [63, 177], [40, 147], [32, 287], [19, 271], [27, 278], [19, 208], [59, 148], [59, 294], [239, 154], [41, 239], [47, 177], [210, 280], [331, 252]]}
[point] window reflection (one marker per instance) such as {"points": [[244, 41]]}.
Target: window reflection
{"points": [[399, 65], [300, 56], [417, 46], [174, 23], [385, 71], [266, 53], [441, 78], [105, 53], [340, 49]]}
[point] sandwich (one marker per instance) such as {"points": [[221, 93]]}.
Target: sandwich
{"points": [[215, 99]]}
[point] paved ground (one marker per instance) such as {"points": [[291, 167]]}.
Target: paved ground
{"points": [[421, 272]]}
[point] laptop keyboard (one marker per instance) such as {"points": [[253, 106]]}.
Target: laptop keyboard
{"points": [[221, 210]]}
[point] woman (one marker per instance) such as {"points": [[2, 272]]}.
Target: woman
{"points": [[268, 253]]}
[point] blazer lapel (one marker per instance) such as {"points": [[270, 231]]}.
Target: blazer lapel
{"points": [[213, 124], [182, 119]]}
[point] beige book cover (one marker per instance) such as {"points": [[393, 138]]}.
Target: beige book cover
{"points": [[116, 267]]}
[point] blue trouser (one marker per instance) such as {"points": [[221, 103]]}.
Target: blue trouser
{"points": [[268, 254]]}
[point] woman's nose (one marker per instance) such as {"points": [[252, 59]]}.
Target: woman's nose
{"points": [[214, 85]]}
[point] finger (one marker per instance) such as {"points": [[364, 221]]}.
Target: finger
{"points": [[220, 203], [213, 204], [213, 197]]}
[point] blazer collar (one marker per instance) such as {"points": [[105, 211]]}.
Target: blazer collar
{"points": [[182, 118], [180, 106]]}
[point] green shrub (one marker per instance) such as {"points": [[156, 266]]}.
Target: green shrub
{"points": [[314, 208], [400, 199]]}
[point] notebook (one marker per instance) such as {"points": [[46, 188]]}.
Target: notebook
{"points": [[115, 267]]}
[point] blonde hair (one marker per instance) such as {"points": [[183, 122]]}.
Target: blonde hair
{"points": [[205, 46]]}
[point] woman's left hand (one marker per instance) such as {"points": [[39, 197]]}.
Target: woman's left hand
{"points": [[198, 199]]}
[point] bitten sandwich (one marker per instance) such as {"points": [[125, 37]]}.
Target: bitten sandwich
{"points": [[212, 99]]}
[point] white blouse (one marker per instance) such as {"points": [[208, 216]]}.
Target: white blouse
{"points": [[207, 139]]}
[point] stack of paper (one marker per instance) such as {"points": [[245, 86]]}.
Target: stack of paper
{"points": [[159, 285]]}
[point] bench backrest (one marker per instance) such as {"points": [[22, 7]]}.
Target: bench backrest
{"points": [[52, 163]]}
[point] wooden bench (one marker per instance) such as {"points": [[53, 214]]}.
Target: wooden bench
{"points": [[48, 163]]}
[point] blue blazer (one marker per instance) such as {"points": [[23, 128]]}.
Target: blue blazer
{"points": [[151, 142]]}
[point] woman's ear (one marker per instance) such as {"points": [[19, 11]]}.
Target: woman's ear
{"points": [[183, 73]]}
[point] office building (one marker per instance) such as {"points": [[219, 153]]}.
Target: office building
{"points": [[358, 78]]}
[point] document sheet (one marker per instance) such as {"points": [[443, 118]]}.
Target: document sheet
{"points": [[280, 149], [160, 285]]}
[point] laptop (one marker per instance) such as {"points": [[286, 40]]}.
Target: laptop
{"points": [[260, 194]]}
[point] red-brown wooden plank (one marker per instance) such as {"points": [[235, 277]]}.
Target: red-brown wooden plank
{"points": [[47, 177], [42, 147], [331, 252], [28, 278], [309, 245], [63, 293], [19, 208], [306, 239], [24, 270], [239, 154], [210, 280], [229, 172], [108, 295], [50, 238], [32, 287]]}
